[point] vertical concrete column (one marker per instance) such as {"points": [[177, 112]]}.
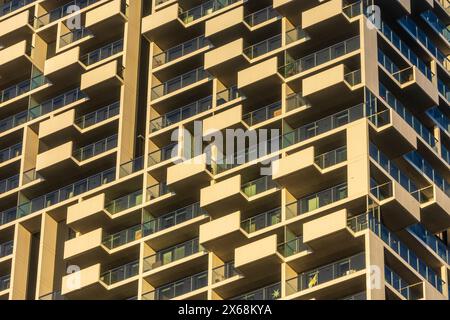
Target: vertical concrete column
{"points": [[369, 56], [374, 267], [20, 262]]}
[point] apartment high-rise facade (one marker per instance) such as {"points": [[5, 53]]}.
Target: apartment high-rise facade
{"points": [[224, 149]]}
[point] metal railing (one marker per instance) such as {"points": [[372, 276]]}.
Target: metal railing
{"points": [[74, 35], [316, 200], [120, 273], [294, 101], [224, 272], [102, 53], [6, 248], [258, 186], [172, 219], [123, 237], [261, 16], [295, 34], [180, 50], [261, 221], [163, 154], [353, 77], [131, 166], [204, 9], [181, 114], [262, 114], [270, 292], [61, 12], [9, 184], [178, 288], [329, 272], [125, 202], [179, 82], [55, 103], [320, 57], [291, 247], [57, 196], [331, 158], [22, 88], [228, 95], [98, 116], [410, 292], [11, 152], [96, 148], [263, 47], [157, 190], [13, 5], [370, 221], [172, 254]]}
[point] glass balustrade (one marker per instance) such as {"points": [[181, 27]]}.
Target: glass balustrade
{"points": [[270, 292], [172, 254], [331, 158], [157, 190], [262, 220], [6, 248], [4, 282], [316, 200], [57, 196], [73, 36], [436, 24], [315, 277], [123, 237], [120, 273], [296, 34], [431, 241], [261, 16], [9, 184], [179, 82], [204, 9], [172, 219], [11, 152], [55, 103], [409, 292], [61, 12], [180, 50], [263, 47], [96, 148], [102, 53], [98, 116], [224, 272], [178, 288], [10, 6], [131, 166], [124, 203], [22, 88], [444, 89], [228, 95], [258, 186], [13, 121], [262, 114], [294, 246], [163, 154]]}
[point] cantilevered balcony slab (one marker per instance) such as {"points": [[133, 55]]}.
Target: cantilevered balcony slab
{"points": [[64, 66], [324, 232], [393, 134], [56, 128], [109, 16], [435, 213], [15, 58], [16, 27], [56, 160], [260, 77], [102, 79], [222, 235], [330, 84], [291, 170], [228, 119], [87, 213], [288, 7], [400, 209], [223, 197], [323, 18], [86, 279], [163, 26], [193, 172], [224, 26], [86, 248], [259, 255], [222, 60]]}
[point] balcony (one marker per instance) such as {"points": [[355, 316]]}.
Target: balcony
{"points": [[124, 203], [179, 51], [406, 290], [22, 88], [13, 121], [10, 153], [292, 247], [157, 190], [13, 5], [118, 239], [263, 47], [97, 116], [444, 89], [9, 184], [315, 59], [224, 272], [261, 221], [132, 166], [6, 249], [203, 10], [56, 103], [260, 185], [434, 22], [74, 36], [172, 254], [121, 273], [331, 158], [178, 288], [60, 12], [258, 17], [102, 53], [165, 153], [431, 241], [316, 201], [320, 276], [181, 114], [179, 82], [369, 221], [57, 196], [5, 282], [228, 95], [95, 149], [270, 292], [263, 114]]}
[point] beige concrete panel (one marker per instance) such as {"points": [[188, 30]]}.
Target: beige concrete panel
{"points": [[57, 123], [224, 21], [324, 79], [53, 156], [13, 52], [255, 251], [15, 22], [220, 190], [321, 12], [20, 263], [85, 208], [222, 120], [257, 72], [220, 227], [80, 279], [224, 53], [325, 226], [86, 242]]}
